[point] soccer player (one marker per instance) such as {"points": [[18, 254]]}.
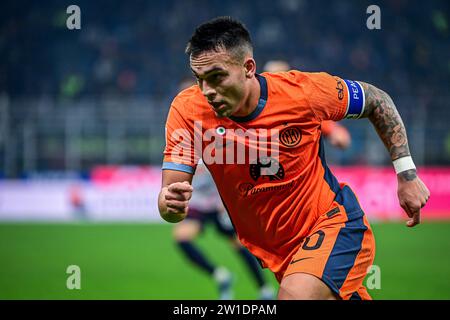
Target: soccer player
{"points": [[205, 207], [77, 202], [299, 221]]}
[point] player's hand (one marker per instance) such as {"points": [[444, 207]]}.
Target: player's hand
{"points": [[339, 137], [413, 195], [176, 197]]}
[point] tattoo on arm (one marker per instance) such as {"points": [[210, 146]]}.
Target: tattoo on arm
{"points": [[381, 111], [408, 175]]}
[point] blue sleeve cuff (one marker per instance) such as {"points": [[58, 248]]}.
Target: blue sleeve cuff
{"points": [[178, 167]]}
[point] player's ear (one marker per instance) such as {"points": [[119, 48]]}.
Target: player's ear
{"points": [[250, 67]]}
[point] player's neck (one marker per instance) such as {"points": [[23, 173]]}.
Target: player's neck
{"points": [[251, 100]]}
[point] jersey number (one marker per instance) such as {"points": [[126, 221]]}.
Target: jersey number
{"points": [[306, 245]]}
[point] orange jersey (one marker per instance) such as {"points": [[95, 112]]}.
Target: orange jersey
{"points": [[271, 212]]}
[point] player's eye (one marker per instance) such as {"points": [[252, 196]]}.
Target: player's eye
{"points": [[216, 78]]}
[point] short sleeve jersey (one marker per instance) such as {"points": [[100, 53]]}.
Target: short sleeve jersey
{"points": [[269, 167]]}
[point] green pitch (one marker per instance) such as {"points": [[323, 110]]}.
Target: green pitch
{"points": [[140, 261]]}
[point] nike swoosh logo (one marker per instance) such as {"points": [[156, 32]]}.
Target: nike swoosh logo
{"points": [[294, 261]]}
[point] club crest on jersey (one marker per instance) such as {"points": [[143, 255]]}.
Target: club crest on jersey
{"points": [[290, 137]]}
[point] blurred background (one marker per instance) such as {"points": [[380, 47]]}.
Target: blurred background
{"points": [[82, 116]]}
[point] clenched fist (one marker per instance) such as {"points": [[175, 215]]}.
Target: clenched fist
{"points": [[413, 195], [173, 201]]}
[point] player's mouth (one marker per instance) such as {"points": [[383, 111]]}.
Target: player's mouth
{"points": [[219, 107]]}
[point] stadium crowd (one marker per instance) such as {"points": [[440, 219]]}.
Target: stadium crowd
{"points": [[135, 49]]}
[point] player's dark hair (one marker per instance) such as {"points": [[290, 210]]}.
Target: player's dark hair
{"points": [[218, 34]]}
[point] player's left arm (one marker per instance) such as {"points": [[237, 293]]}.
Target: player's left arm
{"points": [[381, 111]]}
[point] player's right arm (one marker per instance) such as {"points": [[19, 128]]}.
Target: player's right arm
{"points": [[173, 199], [178, 165]]}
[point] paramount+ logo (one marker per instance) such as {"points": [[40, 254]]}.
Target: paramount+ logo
{"points": [[248, 189]]}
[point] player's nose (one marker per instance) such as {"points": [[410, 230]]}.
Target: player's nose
{"points": [[208, 92]]}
